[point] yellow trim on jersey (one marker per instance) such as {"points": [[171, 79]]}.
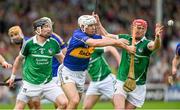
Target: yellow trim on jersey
{"points": [[82, 52], [58, 38]]}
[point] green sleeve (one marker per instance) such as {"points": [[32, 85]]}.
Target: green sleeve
{"points": [[125, 36], [99, 50], [24, 49], [57, 48]]}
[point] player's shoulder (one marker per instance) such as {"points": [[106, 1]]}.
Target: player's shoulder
{"points": [[79, 33], [29, 39], [27, 42], [56, 37]]}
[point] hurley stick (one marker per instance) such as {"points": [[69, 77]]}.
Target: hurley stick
{"points": [[130, 83]]}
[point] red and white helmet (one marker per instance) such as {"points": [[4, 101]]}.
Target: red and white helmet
{"points": [[85, 20]]}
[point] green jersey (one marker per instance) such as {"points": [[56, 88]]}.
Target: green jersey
{"points": [[37, 68], [98, 67], [141, 61]]}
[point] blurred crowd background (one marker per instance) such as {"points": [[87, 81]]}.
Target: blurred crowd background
{"points": [[116, 16]]}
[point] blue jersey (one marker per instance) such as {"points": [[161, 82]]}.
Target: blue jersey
{"points": [[78, 52], [178, 49], [55, 62]]}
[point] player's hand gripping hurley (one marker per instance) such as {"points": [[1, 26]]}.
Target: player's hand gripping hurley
{"points": [[130, 83]]}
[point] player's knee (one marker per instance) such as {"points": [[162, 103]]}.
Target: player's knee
{"points": [[74, 101], [37, 104], [62, 102]]}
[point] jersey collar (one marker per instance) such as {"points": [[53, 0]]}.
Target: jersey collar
{"points": [[35, 41], [144, 38]]}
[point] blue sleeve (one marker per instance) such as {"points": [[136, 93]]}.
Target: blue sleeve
{"points": [[178, 49], [80, 38], [59, 40], [97, 37], [63, 46], [26, 38]]}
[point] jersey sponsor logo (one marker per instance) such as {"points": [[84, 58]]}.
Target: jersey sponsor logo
{"points": [[42, 61], [82, 52]]}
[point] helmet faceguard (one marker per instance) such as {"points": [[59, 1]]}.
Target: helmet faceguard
{"points": [[37, 25], [85, 20]]}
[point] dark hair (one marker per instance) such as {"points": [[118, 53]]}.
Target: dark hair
{"points": [[39, 23]]}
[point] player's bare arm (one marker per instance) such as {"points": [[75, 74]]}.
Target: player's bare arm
{"points": [[113, 52], [60, 57], [175, 63], [109, 42], [156, 44], [4, 63], [101, 30], [16, 66]]}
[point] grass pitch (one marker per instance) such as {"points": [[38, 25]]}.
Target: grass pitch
{"points": [[107, 105]]}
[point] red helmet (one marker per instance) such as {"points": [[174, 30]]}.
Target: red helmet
{"points": [[140, 22]]}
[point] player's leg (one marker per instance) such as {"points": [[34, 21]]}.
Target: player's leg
{"points": [[54, 93], [92, 96], [30, 105], [90, 101], [34, 103], [136, 98], [20, 105], [73, 85], [72, 95], [118, 101], [28, 91], [119, 96], [130, 106], [57, 81], [61, 102]]}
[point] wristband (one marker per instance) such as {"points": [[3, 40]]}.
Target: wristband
{"points": [[12, 77]]}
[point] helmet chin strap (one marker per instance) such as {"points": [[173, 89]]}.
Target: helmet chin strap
{"points": [[38, 31]]}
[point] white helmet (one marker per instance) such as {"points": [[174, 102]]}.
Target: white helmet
{"points": [[86, 20]]}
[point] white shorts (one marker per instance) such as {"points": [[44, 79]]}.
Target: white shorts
{"points": [[104, 87], [50, 91], [136, 97], [56, 80], [76, 77]]}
